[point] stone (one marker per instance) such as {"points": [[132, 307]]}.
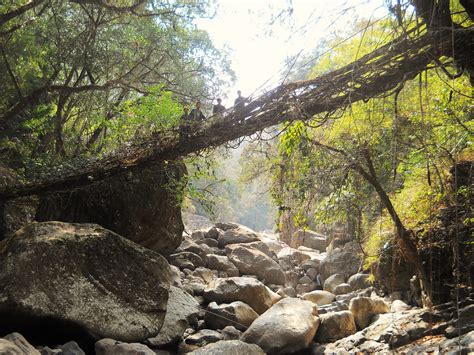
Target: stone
{"points": [[319, 297], [205, 274], [209, 242], [288, 326], [305, 288], [310, 264], [399, 306], [237, 235], [113, 347], [222, 263], [359, 281], [334, 326], [190, 246], [138, 205], [81, 277], [342, 289], [7, 347], [274, 245], [237, 314], [198, 234], [291, 278], [181, 312], [183, 259], [294, 256], [229, 347], [304, 280], [17, 345], [71, 348], [231, 333], [287, 292], [364, 308], [310, 239], [245, 289], [312, 273], [263, 247], [252, 261], [203, 337], [332, 281], [345, 261], [213, 233], [225, 226]]}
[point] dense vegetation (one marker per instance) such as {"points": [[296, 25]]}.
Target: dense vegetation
{"points": [[82, 77]]}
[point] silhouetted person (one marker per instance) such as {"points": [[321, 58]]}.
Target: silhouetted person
{"points": [[218, 108], [240, 101], [196, 113], [185, 117]]}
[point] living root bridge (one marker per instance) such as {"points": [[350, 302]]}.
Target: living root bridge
{"points": [[373, 75]]}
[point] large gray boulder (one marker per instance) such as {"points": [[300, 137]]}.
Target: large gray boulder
{"points": [[288, 326], [229, 347], [114, 347], [237, 235], [82, 276], [334, 326], [181, 312], [245, 289], [237, 314], [139, 205], [359, 281], [222, 263], [310, 239], [364, 308], [16, 344], [319, 297], [345, 260], [332, 282], [251, 261]]}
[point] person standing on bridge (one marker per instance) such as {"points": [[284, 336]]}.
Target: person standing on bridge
{"points": [[240, 101], [196, 113], [219, 108]]}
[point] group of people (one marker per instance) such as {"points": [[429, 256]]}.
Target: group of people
{"points": [[196, 113]]}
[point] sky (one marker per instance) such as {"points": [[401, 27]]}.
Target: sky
{"points": [[258, 49]]}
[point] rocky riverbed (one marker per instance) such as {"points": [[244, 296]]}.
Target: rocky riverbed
{"points": [[81, 289]]}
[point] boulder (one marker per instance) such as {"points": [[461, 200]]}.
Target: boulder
{"points": [[310, 240], [364, 308], [203, 337], [225, 226], [305, 288], [186, 260], [81, 277], [237, 235], [139, 205], [263, 247], [213, 233], [334, 326], [114, 347], [254, 262], [288, 326], [245, 289], [229, 347], [332, 281], [209, 242], [310, 264], [344, 261], [399, 306], [287, 292], [359, 281], [231, 333], [342, 289], [274, 245], [181, 312], [189, 245], [222, 263], [319, 297], [237, 314], [16, 344], [294, 256]]}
